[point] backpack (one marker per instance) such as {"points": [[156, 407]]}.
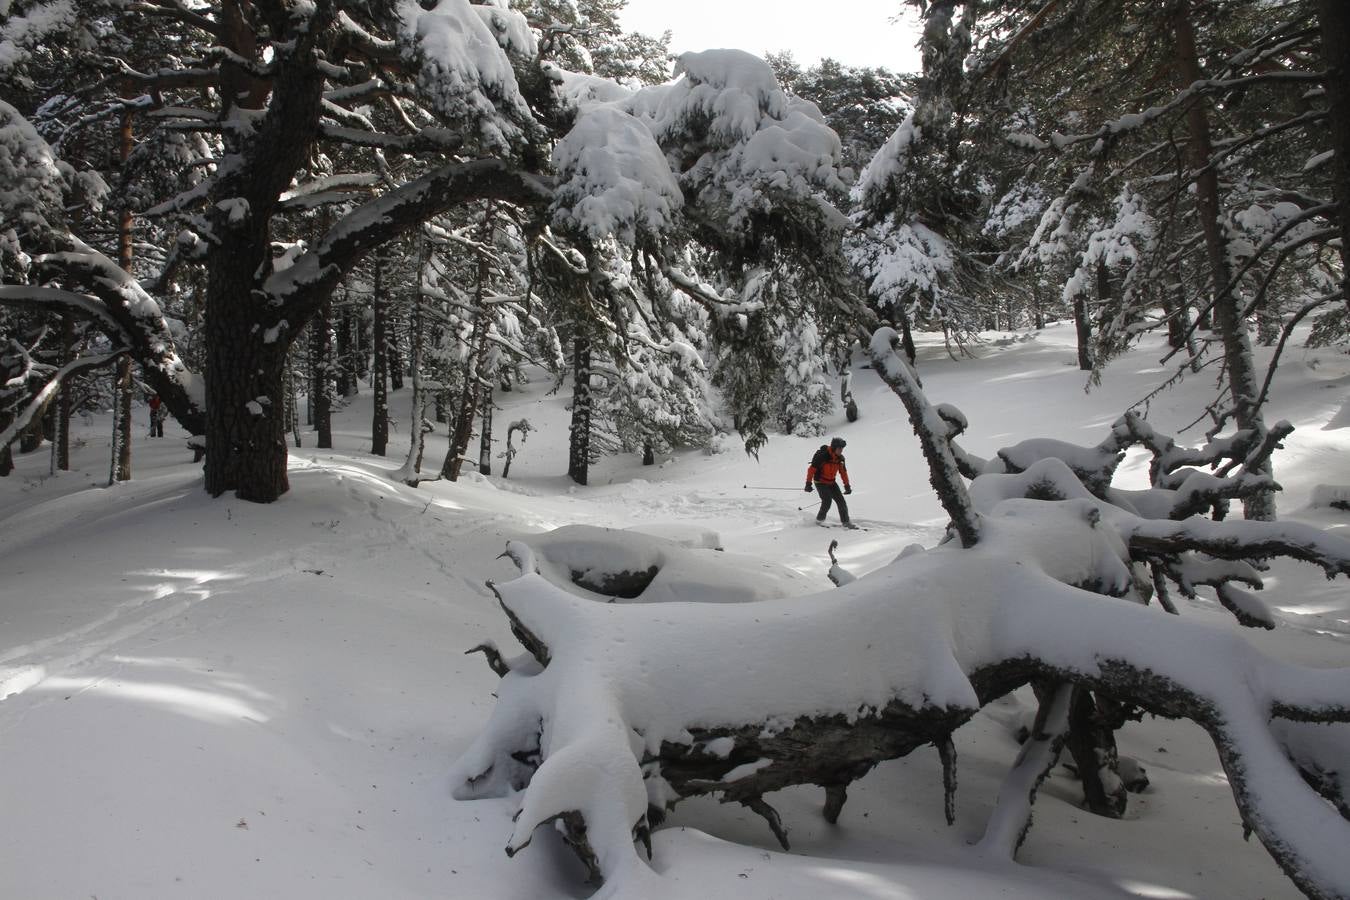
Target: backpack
{"points": [[821, 458]]}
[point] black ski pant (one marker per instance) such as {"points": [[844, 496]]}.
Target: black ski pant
{"points": [[830, 493]]}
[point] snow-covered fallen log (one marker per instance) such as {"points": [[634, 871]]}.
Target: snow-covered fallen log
{"points": [[616, 712], [627, 709]]}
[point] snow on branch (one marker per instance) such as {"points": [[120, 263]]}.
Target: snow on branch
{"points": [[314, 273], [462, 69], [1183, 98], [944, 473], [123, 307], [44, 395], [833, 683], [612, 721], [1239, 540], [613, 179], [62, 301]]}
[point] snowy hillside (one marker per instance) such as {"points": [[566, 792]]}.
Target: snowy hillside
{"points": [[211, 698]]}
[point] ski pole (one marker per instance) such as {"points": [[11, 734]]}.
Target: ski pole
{"points": [[760, 487]]}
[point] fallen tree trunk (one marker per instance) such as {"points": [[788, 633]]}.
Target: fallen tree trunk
{"points": [[738, 700], [618, 711]]}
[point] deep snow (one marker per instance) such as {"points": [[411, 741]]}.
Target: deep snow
{"points": [[212, 698]]}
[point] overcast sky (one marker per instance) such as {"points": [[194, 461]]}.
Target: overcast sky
{"points": [[855, 32]]}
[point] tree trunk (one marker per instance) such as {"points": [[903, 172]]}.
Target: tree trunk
{"points": [[65, 406], [1177, 319], [579, 446], [9, 403], [121, 463], [1037, 312], [907, 339], [33, 436], [346, 366], [120, 469], [360, 351], [320, 366], [1083, 328], [471, 391], [1092, 742], [1334, 16], [485, 437], [412, 466], [245, 406], [379, 377], [1241, 370], [292, 407], [395, 329]]}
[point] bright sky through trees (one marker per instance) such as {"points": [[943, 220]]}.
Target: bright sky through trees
{"points": [[855, 32]]}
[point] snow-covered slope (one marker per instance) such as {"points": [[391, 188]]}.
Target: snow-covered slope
{"points": [[208, 698]]}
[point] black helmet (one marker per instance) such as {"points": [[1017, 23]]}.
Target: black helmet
{"points": [[838, 443]]}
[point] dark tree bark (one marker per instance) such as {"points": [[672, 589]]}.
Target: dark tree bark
{"points": [[120, 469], [346, 368], [1037, 308], [907, 339], [6, 452], [1177, 319], [122, 382], [65, 404], [485, 435], [471, 392], [361, 347], [320, 366], [34, 435], [416, 431], [1241, 371], [246, 341], [523, 426], [292, 407], [245, 411], [1092, 743], [1334, 16], [379, 377], [1084, 331], [393, 342], [579, 445]]}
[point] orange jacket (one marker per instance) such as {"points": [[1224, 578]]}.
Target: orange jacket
{"points": [[827, 463]]}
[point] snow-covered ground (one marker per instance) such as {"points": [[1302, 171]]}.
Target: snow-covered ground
{"points": [[209, 698]]}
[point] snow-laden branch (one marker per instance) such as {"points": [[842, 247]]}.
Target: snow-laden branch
{"points": [[57, 299], [831, 684], [706, 295], [427, 140], [129, 314], [35, 407], [944, 473], [1134, 121], [301, 288], [1239, 540], [176, 10]]}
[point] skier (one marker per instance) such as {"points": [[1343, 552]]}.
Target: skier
{"points": [[825, 465], [157, 413]]}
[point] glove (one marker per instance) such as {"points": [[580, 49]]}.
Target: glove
{"points": [[808, 487], [848, 489]]}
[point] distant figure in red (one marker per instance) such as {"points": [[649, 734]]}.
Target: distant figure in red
{"points": [[157, 413], [825, 466]]}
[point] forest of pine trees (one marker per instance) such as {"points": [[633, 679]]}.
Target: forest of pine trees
{"points": [[257, 209], [255, 228]]}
